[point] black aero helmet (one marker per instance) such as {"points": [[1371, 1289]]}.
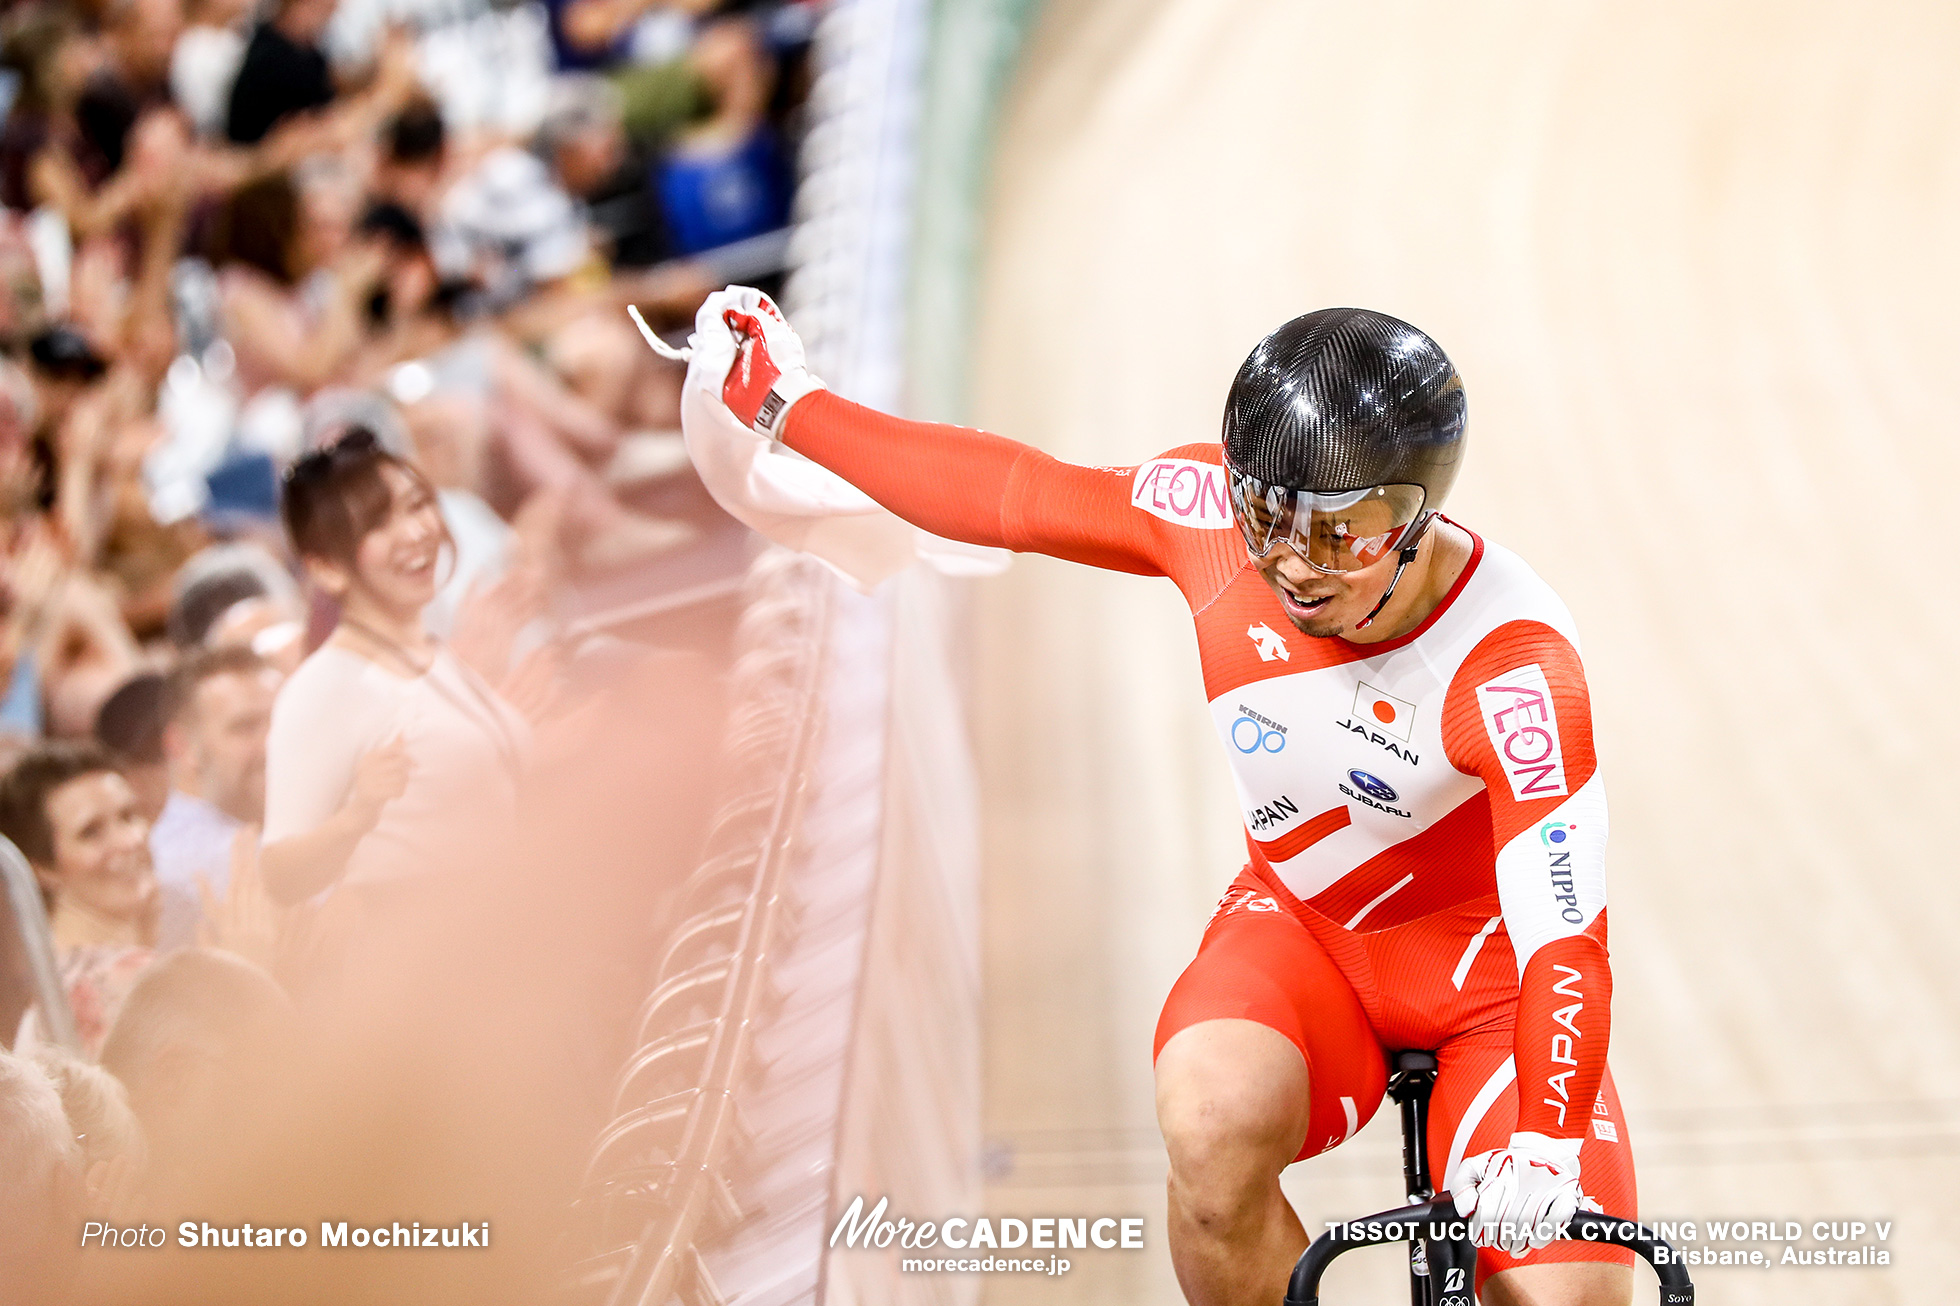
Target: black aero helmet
{"points": [[1333, 403]]}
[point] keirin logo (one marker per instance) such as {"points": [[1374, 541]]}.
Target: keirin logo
{"points": [[1254, 733], [1248, 736]]}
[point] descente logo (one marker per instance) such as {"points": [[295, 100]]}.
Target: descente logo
{"points": [[1182, 491]]}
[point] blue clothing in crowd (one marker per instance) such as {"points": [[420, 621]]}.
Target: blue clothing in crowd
{"points": [[714, 199]]}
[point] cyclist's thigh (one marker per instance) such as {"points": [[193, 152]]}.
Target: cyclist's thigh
{"points": [[1258, 963], [1475, 1108]]}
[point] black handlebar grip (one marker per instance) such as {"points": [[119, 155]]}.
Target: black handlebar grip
{"points": [[1303, 1288], [1676, 1289]]}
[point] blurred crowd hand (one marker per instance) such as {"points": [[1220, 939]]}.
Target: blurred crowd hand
{"points": [[379, 778], [349, 122], [493, 614], [36, 569], [395, 76], [359, 268], [161, 159], [158, 158], [244, 921], [534, 686], [595, 26], [666, 293], [539, 527], [103, 438], [342, 127], [488, 623], [114, 1185]]}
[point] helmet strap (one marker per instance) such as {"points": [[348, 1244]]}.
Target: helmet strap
{"points": [[1403, 559]]}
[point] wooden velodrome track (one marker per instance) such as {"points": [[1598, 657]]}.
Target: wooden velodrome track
{"points": [[1698, 266]]}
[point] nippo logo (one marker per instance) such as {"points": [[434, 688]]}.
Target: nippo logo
{"points": [[1179, 490], [1523, 728], [1555, 834]]}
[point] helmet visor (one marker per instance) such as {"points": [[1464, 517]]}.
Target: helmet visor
{"points": [[1344, 531]]}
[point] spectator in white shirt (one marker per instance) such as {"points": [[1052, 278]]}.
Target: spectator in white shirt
{"points": [[218, 708], [385, 746]]}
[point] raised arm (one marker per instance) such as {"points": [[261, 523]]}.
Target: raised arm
{"points": [[956, 482], [978, 487]]}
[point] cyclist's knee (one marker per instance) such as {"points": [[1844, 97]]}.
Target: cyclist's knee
{"points": [[1232, 1103]]}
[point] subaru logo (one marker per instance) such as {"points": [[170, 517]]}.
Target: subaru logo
{"points": [[1372, 787]]}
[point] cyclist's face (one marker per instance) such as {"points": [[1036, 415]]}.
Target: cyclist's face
{"points": [[1318, 603]]}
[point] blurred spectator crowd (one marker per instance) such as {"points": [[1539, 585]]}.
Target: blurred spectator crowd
{"points": [[232, 236]]}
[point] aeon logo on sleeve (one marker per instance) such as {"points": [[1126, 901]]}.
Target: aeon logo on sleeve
{"points": [[1185, 492], [1523, 728]]}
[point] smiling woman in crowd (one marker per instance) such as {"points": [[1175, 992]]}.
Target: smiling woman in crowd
{"points": [[384, 745], [81, 828]]}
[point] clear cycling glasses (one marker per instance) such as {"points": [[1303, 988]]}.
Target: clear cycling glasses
{"points": [[1345, 531]]}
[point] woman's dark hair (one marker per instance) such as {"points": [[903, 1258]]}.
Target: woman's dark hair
{"points": [[336, 494], [25, 788], [258, 226]]}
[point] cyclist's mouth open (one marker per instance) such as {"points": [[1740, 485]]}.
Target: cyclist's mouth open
{"points": [[1297, 606]]}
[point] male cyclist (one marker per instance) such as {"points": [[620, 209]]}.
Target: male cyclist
{"points": [[1407, 721]]}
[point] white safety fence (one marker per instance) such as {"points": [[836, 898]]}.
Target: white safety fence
{"points": [[814, 1031]]}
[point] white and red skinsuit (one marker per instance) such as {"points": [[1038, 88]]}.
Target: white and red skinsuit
{"points": [[1425, 817]]}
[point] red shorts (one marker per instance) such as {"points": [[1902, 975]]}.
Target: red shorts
{"points": [[1446, 983]]}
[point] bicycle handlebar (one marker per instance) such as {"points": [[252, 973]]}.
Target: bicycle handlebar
{"points": [[1434, 1222]]}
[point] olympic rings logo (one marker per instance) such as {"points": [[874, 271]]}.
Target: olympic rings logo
{"points": [[1258, 739]]}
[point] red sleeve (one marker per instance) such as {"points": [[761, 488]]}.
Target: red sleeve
{"points": [[1519, 717], [977, 487], [1565, 1017]]}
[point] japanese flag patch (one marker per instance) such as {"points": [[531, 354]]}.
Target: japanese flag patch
{"points": [[1384, 711], [1523, 728]]}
